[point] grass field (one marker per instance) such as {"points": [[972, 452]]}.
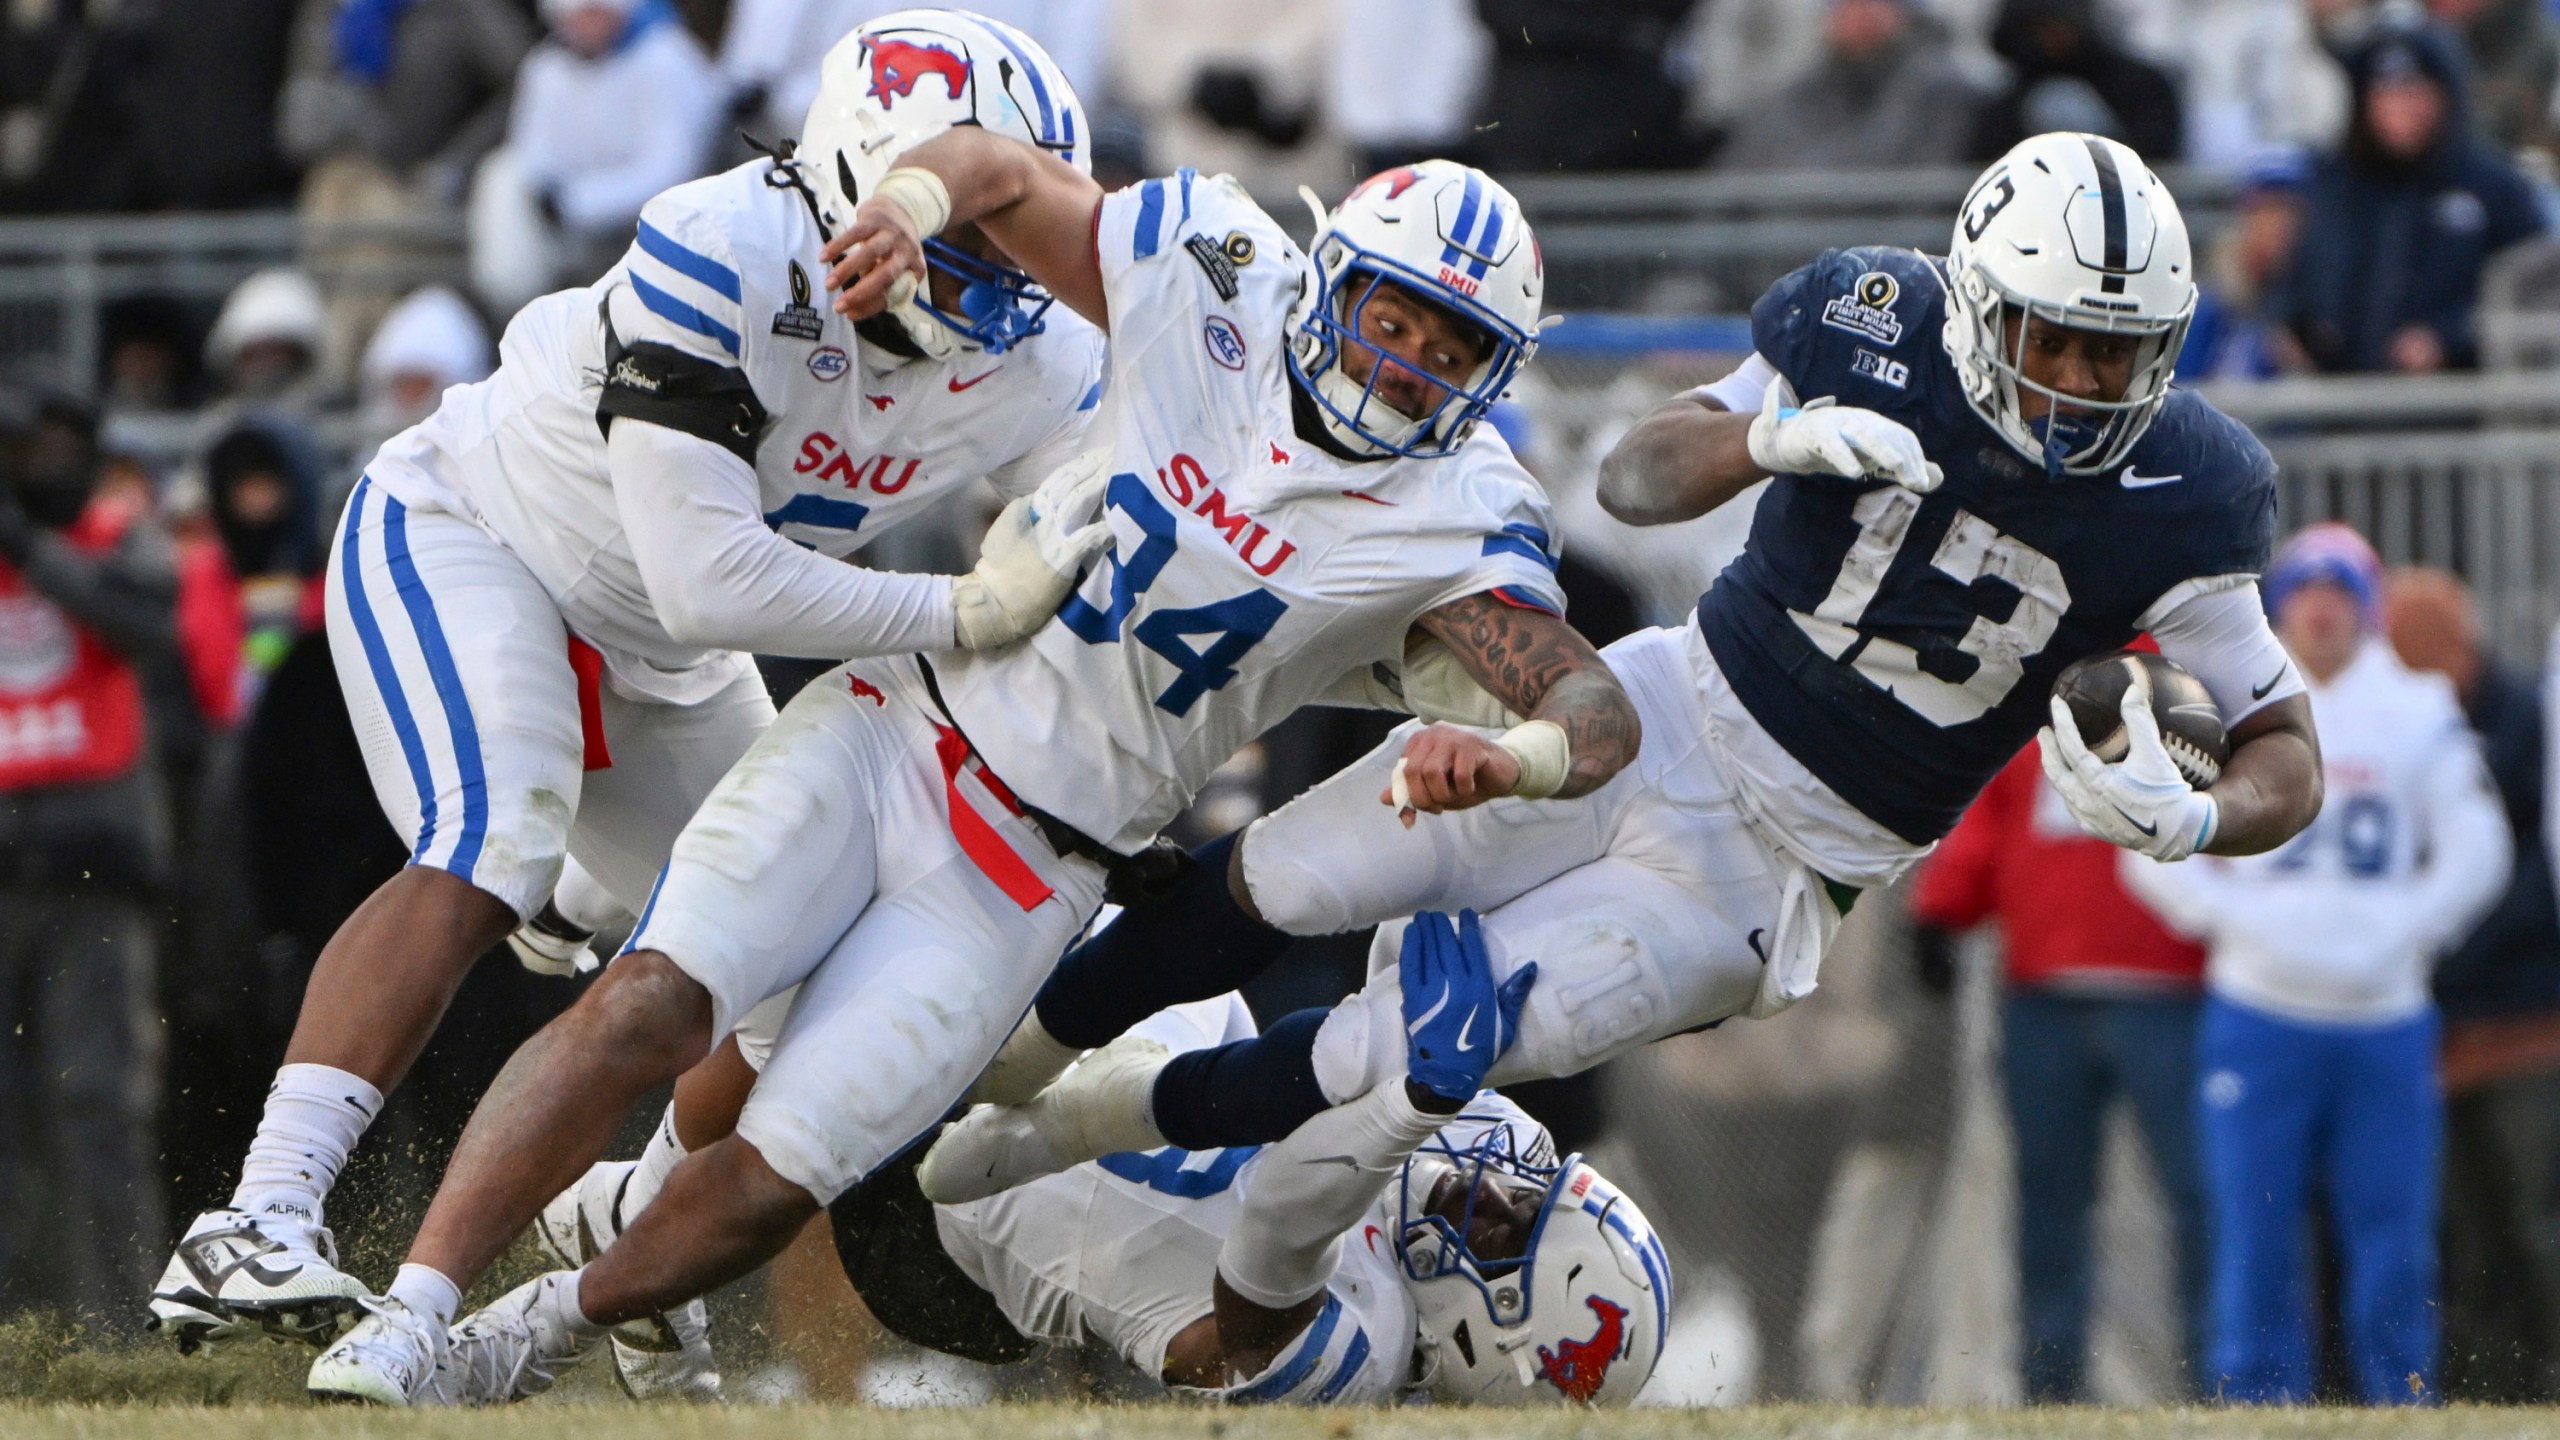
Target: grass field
{"points": [[1095, 1422], [58, 1384]]}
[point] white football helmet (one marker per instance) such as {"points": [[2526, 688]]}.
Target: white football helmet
{"points": [[2073, 230], [1451, 235], [899, 81], [1578, 1316]]}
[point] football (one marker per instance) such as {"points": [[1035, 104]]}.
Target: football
{"points": [[2190, 723]]}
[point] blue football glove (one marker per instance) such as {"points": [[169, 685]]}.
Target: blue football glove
{"points": [[1457, 1022]]}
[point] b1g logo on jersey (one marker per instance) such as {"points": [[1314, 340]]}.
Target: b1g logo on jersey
{"points": [[1225, 342], [821, 456], [1877, 367], [1868, 309]]}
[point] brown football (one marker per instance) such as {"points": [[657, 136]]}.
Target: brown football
{"points": [[2190, 723]]}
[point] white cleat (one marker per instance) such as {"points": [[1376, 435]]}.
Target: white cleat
{"points": [[511, 1351], [668, 1357], [1098, 1108], [663, 1356], [551, 944], [585, 1218], [235, 1274], [1029, 1062], [387, 1359]]}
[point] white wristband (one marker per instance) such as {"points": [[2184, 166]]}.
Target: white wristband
{"points": [[921, 194], [1545, 755]]}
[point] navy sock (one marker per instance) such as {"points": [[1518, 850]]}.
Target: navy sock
{"points": [[1194, 944], [1251, 1092]]}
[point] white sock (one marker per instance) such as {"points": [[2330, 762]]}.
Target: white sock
{"points": [[583, 901], [662, 1156], [314, 1116], [427, 1293], [557, 1301]]}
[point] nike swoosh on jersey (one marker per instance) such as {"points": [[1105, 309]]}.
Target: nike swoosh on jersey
{"points": [[1753, 940], [957, 384], [2259, 692], [2131, 481]]}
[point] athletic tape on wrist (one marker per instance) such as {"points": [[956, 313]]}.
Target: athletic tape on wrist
{"points": [[921, 194], [1545, 755]]}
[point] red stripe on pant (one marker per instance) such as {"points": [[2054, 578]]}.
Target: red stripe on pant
{"points": [[978, 839], [587, 663]]}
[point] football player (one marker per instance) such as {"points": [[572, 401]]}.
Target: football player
{"points": [[540, 598], [1297, 482], [1423, 1237], [1989, 477]]}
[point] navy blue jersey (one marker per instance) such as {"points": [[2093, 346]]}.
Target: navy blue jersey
{"points": [[1902, 646]]}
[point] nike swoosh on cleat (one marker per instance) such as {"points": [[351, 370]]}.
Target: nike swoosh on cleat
{"points": [[2259, 692], [2131, 481], [212, 1264], [1464, 1031], [957, 384]]}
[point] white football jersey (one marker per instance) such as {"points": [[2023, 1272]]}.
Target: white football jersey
{"points": [[1125, 1249], [727, 268], [1251, 568]]}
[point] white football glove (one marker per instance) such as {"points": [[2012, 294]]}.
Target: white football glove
{"points": [[1824, 437], [2141, 802], [1032, 555]]}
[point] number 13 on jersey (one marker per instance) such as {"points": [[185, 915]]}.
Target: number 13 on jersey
{"points": [[1971, 551], [1239, 622]]}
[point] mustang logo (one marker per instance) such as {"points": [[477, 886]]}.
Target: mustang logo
{"points": [[864, 689], [896, 66], [1577, 1367]]}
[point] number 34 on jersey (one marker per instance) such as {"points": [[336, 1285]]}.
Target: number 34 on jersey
{"points": [[1230, 626]]}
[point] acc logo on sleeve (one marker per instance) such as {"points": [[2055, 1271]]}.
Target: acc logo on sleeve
{"points": [[1225, 342], [1868, 309]]}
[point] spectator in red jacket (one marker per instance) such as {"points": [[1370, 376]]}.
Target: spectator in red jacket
{"points": [[2101, 1003], [88, 600]]}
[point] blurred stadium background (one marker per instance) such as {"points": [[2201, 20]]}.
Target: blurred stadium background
{"points": [[1836, 1186]]}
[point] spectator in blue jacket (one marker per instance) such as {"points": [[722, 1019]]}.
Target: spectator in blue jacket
{"points": [[2401, 220]]}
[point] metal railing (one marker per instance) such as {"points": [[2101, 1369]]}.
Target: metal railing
{"points": [[2484, 504], [1623, 241], [58, 274]]}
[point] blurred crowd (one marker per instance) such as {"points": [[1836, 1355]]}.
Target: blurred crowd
{"points": [[2385, 148]]}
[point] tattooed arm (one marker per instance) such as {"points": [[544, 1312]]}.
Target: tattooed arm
{"points": [[1540, 667]]}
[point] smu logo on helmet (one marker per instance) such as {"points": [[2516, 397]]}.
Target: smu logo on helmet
{"points": [[1397, 181], [896, 66], [1580, 1367]]}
